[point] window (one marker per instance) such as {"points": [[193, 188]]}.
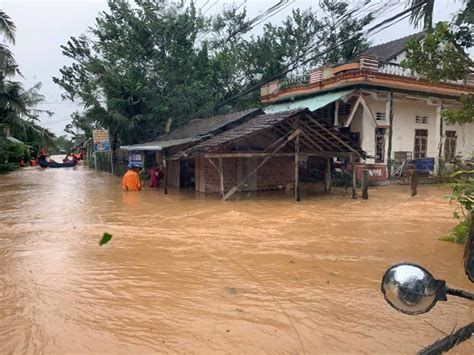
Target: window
{"points": [[421, 143], [379, 145], [421, 119], [344, 109], [380, 116], [325, 114], [450, 145]]}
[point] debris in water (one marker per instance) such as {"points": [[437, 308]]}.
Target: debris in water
{"points": [[105, 239], [231, 290]]}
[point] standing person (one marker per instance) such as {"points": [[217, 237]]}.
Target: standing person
{"points": [[159, 174], [414, 179], [153, 172], [42, 154], [131, 179]]}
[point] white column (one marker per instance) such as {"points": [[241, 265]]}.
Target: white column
{"points": [[439, 136]]}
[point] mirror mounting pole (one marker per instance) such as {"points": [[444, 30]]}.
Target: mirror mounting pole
{"points": [[460, 293]]}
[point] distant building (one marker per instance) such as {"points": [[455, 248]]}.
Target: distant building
{"points": [[389, 111]]}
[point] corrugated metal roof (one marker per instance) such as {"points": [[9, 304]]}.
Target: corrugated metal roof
{"points": [[158, 145], [14, 140], [312, 103]]}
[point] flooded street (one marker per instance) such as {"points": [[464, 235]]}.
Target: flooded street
{"points": [[188, 273]]}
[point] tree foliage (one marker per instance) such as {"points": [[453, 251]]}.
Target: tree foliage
{"points": [[438, 56], [142, 66], [422, 14], [441, 55], [18, 112]]}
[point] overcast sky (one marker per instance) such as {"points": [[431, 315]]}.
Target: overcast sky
{"points": [[44, 25]]}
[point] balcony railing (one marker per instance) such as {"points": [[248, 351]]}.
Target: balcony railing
{"points": [[365, 63], [397, 69]]}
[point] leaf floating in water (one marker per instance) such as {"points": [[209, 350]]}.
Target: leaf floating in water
{"points": [[105, 239]]}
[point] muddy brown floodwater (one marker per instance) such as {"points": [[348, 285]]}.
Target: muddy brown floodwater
{"points": [[187, 273]]}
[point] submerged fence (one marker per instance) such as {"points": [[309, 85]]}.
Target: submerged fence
{"points": [[103, 162]]}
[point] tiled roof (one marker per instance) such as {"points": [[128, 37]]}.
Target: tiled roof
{"points": [[203, 126], [386, 51], [194, 131], [329, 139], [250, 127]]}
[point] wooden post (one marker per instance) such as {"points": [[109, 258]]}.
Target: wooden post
{"points": [[221, 176], [277, 149], [167, 167], [112, 162], [297, 168], [354, 179], [390, 134], [414, 182], [365, 184], [327, 177]]}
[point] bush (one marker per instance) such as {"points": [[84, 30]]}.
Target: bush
{"points": [[463, 197], [6, 168], [11, 152], [460, 233]]}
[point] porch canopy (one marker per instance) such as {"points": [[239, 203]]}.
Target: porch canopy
{"points": [[290, 133], [311, 103]]}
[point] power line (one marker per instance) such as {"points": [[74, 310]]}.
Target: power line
{"points": [[54, 123], [268, 13], [287, 70], [210, 7], [295, 61]]}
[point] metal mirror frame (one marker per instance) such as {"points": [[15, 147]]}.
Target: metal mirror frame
{"points": [[439, 289]]}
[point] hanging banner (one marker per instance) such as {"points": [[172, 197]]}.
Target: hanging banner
{"points": [[101, 140]]}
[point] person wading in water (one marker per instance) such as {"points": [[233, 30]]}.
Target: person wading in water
{"points": [[131, 179], [155, 175]]}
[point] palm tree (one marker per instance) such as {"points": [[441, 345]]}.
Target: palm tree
{"points": [[8, 66], [17, 108], [422, 14], [17, 105]]}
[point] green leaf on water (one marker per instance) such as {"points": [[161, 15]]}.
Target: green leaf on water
{"points": [[105, 239]]}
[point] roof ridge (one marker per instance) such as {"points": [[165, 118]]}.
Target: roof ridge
{"points": [[396, 40]]}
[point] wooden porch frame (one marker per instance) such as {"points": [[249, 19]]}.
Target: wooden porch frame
{"points": [[278, 148]]}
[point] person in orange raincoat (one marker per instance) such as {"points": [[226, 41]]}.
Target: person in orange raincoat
{"points": [[131, 180]]}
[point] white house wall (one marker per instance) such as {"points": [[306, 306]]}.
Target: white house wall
{"points": [[398, 59], [404, 126], [363, 123], [465, 140]]}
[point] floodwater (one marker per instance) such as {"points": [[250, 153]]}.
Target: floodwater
{"points": [[187, 273]]}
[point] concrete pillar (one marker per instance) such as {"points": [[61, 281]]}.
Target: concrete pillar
{"points": [[439, 134]]}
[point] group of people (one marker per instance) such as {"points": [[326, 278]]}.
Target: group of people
{"points": [[131, 179]]}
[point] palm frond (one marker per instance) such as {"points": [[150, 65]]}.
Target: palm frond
{"points": [[7, 27], [8, 65], [422, 14]]}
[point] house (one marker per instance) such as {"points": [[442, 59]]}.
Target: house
{"points": [[250, 151], [392, 113], [180, 173]]}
